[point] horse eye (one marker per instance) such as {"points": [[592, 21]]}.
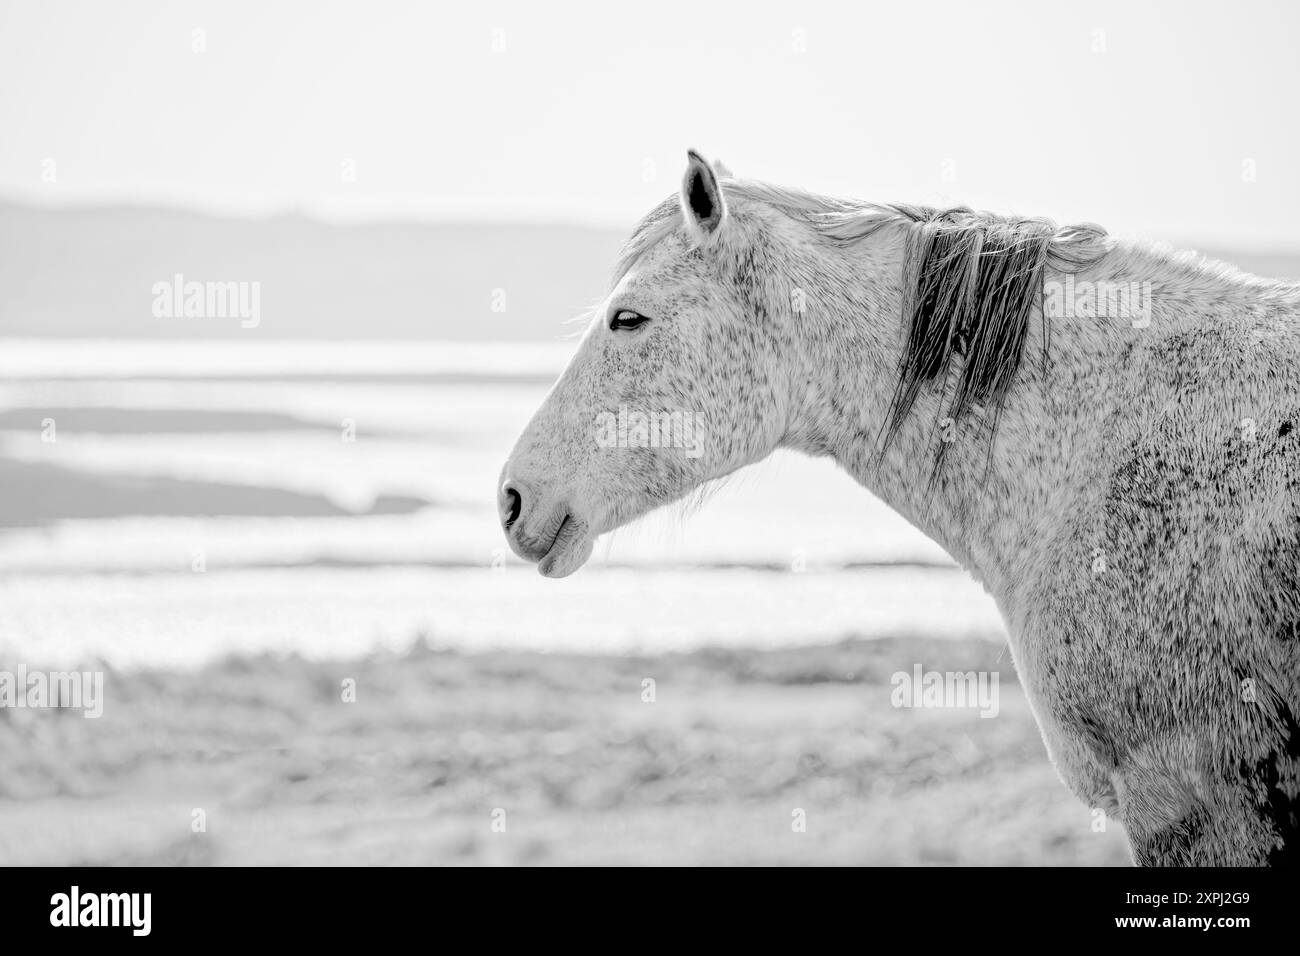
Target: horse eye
{"points": [[626, 319]]}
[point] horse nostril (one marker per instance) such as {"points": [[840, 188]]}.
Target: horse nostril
{"points": [[515, 504]]}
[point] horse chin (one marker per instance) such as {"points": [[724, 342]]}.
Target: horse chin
{"points": [[570, 550]]}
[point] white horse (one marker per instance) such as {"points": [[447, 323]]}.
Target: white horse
{"points": [[1106, 435]]}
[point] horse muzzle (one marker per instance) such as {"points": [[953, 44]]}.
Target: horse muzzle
{"points": [[546, 533]]}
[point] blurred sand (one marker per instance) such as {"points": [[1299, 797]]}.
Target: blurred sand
{"points": [[285, 772]]}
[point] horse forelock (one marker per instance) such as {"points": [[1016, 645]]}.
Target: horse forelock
{"points": [[658, 223]]}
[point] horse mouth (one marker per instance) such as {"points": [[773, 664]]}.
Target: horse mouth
{"points": [[570, 549], [559, 554]]}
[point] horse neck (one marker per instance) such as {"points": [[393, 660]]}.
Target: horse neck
{"points": [[986, 508], [995, 506]]}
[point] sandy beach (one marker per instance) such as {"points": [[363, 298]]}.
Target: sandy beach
{"points": [[525, 758]]}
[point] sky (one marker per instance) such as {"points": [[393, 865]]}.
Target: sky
{"points": [[1168, 120]]}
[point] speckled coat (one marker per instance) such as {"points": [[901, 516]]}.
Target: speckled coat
{"points": [[1135, 513]]}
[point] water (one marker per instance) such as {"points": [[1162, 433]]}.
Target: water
{"points": [[361, 477]]}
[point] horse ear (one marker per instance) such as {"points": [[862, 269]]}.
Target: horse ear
{"points": [[720, 168], [702, 201]]}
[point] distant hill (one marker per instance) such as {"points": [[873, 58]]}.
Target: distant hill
{"points": [[90, 272]]}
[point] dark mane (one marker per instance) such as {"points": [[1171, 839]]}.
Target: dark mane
{"points": [[971, 283]]}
